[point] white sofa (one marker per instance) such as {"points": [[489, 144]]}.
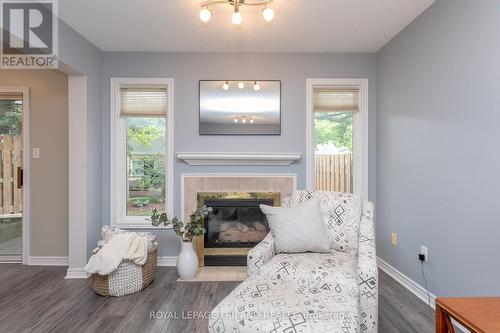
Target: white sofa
{"points": [[310, 292]]}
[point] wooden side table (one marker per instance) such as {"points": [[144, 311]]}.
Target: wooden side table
{"points": [[478, 314]]}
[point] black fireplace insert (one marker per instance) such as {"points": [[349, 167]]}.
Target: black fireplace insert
{"points": [[235, 223]]}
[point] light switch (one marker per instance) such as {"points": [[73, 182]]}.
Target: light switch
{"points": [[36, 152]]}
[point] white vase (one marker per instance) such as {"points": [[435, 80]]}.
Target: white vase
{"points": [[187, 263]]}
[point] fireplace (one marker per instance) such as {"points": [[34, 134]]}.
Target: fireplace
{"points": [[235, 225]]}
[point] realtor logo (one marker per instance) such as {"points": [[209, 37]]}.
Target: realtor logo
{"points": [[29, 34]]}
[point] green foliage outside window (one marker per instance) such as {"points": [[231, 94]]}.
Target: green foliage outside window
{"points": [[333, 128], [143, 142], [11, 118], [154, 171], [145, 135]]}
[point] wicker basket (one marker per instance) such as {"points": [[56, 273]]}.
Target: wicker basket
{"points": [[100, 283]]}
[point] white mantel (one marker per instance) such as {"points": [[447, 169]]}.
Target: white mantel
{"points": [[239, 158]]}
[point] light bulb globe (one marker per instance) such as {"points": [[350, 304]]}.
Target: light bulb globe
{"points": [[205, 15], [268, 14], [256, 86], [236, 18], [241, 85], [225, 86]]}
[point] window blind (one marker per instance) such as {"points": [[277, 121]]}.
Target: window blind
{"points": [[143, 101], [11, 96], [336, 100]]}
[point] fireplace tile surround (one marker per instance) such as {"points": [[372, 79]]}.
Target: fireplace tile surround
{"points": [[192, 184]]}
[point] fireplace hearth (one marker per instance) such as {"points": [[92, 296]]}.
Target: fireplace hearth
{"points": [[235, 226]]}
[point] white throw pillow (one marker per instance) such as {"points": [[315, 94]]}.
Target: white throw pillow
{"points": [[298, 229], [341, 215]]}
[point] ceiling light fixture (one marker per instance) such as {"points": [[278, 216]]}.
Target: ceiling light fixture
{"points": [[206, 14], [256, 86], [243, 119], [226, 86], [241, 85]]}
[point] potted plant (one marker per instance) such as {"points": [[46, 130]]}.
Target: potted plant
{"points": [[187, 262]]}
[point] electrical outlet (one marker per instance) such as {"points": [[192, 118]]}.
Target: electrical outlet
{"points": [[394, 239], [425, 252]]}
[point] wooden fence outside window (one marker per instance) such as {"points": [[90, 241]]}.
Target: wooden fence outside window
{"points": [[11, 193], [333, 172]]}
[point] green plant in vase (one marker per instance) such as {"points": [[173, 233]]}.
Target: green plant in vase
{"points": [[187, 231], [187, 262]]}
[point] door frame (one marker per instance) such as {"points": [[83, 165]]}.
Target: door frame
{"points": [[360, 155], [25, 90]]}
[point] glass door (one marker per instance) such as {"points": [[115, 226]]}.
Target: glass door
{"points": [[11, 176]]}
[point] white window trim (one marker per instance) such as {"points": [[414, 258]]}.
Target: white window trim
{"points": [[360, 155], [117, 191]]}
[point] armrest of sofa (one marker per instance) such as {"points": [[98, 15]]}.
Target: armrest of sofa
{"points": [[260, 255], [286, 202], [367, 271]]}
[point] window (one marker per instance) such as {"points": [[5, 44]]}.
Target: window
{"points": [[141, 150], [336, 135]]}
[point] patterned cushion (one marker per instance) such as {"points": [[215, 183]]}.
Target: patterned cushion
{"points": [[341, 216], [279, 306], [332, 271]]}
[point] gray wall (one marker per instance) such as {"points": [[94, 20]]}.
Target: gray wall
{"points": [[437, 147], [78, 56], [188, 68], [49, 173]]}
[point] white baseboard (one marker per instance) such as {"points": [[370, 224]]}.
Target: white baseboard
{"points": [[76, 273], [167, 261], [47, 261], [413, 287], [15, 259], [406, 282], [80, 273]]}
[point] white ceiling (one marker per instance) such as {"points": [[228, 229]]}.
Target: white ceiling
{"points": [[298, 26]]}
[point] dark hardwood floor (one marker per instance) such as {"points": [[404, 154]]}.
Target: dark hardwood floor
{"points": [[39, 299]]}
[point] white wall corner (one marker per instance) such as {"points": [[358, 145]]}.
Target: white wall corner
{"points": [[77, 184], [76, 273]]}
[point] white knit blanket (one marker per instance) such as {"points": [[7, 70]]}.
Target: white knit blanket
{"points": [[119, 247]]}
